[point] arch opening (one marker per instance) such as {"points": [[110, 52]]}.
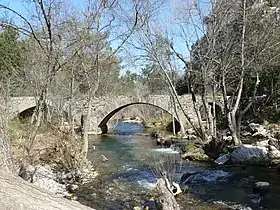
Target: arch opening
{"points": [[27, 113], [103, 124]]}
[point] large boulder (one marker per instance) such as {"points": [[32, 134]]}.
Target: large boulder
{"points": [[250, 154], [204, 176], [255, 154]]}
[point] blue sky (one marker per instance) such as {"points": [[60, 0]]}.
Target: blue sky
{"points": [[164, 17]]}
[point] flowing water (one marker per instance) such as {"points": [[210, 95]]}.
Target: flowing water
{"points": [[128, 177]]}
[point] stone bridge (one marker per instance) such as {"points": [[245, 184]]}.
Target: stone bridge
{"points": [[105, 107]]}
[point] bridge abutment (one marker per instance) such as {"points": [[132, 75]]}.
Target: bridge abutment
{"points": [[104, 129]]}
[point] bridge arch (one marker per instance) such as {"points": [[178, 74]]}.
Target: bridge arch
{"points": [[23, 107], [27, 112], [103, 124]]}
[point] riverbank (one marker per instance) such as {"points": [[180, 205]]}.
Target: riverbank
{"points": [[54, 162], [260, 145]]}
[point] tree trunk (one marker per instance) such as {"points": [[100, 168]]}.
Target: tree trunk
{"points": [[234, 123], [37, 117], [198, 115], [214, 117], [17, 194], [6, 163], [233, 129], [71, 119], [166, 199], [85, 128]]}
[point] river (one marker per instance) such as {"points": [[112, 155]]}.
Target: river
{"points": [[128, 176]]}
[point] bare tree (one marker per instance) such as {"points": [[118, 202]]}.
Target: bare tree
{"points": [[102, 24], [240, 58]]}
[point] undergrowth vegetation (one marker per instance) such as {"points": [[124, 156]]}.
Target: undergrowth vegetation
{"points": [[51, 146]]}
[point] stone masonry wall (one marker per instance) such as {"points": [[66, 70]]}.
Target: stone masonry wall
{"points": [[103, 106]]}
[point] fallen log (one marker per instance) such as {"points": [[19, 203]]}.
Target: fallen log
{"points": [[165, 199], [18, 194]]}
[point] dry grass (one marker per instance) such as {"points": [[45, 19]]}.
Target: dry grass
{"points": [[51, 146]]}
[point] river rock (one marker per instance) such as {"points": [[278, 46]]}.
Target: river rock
{"points": [[245, 133], [274, 142], [222, 159], [196, 154], [262, 143], [262, 153], [274, 154], [227, 138], [185, 177], [250, 154], [103, 157], [204, 176], [45, 177], [176, 189], [214, 147], [164, 142], [151, 204], [261, 188], [254, 127], [261, 134], [72, 188]]}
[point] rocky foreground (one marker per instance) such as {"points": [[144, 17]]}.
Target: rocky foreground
{"points": [[63, 184], [17, 194]]}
